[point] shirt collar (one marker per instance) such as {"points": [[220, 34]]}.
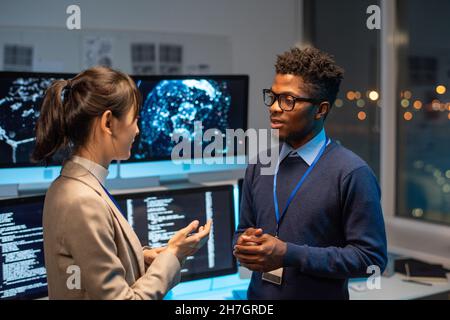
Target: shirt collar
{"points": [[95, 169], [308, 151]]}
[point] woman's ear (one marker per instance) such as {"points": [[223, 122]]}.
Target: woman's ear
{"points": [[106, 122], [322, 111]]}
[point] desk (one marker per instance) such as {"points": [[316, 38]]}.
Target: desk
{"points": [[393, 288], [221, 288]]}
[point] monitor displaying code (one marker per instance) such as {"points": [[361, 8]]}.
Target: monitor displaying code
{"points": [[157, 216], [22, 267]]}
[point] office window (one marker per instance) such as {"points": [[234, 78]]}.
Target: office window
{"points": [[423, 110], [17, 57], [339, 28], [143, 58], [170, 59]]}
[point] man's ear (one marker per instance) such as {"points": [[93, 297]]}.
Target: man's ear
{"points": [[322, 111], [106, 122]]}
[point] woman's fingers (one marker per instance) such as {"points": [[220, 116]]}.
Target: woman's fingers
{"points": [[203, 234], [191, 227], [188, 238], [206, 229]]}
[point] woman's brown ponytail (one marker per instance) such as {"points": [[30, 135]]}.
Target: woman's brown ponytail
{"points": [[50, 128], [70, 107]]}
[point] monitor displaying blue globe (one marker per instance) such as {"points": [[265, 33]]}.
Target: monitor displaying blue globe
{"points": [[172, 106]]}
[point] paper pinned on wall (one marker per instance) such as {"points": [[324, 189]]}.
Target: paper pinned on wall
{"points": [[97, 50]]}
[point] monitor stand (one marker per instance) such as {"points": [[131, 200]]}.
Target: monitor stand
{"points": [[9, 190], [131, 183]]}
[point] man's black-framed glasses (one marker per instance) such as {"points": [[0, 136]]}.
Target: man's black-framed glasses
{"points": [[285, 101]]}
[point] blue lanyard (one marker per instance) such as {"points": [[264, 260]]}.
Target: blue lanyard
{"points": [[114, 201], [293, 193]]}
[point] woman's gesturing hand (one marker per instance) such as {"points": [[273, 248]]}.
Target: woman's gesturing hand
{"points": [[186, 241]]}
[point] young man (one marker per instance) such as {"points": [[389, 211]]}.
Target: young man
{"points": [[329, 225]]}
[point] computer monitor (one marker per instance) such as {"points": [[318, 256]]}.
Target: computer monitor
{"points": [[21, 95], [22, 267], [156, 216], [172, 104]]}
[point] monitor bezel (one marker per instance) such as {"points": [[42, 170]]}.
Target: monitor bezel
{"points": [[20, 201], [200, 189]]}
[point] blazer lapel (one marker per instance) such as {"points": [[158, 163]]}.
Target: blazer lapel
{"points": [[78, 172]]}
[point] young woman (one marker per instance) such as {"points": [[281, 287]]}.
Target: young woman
{"points": [[91, 252]]}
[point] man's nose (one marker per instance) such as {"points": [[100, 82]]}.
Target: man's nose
{"points": [[275, 107]]}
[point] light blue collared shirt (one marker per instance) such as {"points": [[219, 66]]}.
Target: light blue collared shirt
{"points": [[308, 151]]}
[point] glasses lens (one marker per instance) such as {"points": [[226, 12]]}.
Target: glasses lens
{"points": [[269, 98], [287, 102]]}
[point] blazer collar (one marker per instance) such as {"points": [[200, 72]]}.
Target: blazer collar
{"points": [[76, 171]]}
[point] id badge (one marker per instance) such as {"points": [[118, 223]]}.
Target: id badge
{"points": [[274, 276]]}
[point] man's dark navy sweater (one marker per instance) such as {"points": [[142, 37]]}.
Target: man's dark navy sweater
{"points": [[334, 227]]}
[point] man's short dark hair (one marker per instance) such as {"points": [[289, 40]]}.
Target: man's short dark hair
{"points": [[320, 73]]}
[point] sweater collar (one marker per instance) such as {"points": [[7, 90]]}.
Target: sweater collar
{"points": [[309, 151]]}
